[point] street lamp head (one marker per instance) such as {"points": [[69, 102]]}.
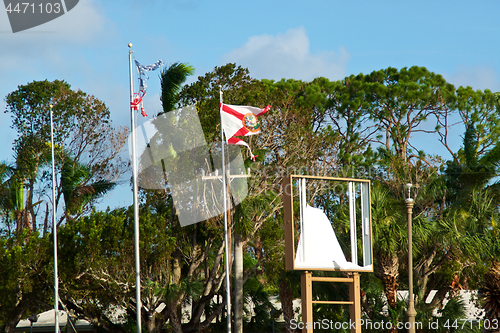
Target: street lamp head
{"points": [[409, 186]]}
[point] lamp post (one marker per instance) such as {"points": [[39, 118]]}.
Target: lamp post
{"points": [[411, 304], [32, 319]]}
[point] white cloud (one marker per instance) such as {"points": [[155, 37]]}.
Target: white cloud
{"points": [[54, 50], [44, 46], [81, 23], [288, 55], [479, 76]]}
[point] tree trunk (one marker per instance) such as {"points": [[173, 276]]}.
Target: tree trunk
{"points": [[154, 324], [286, 304], [175, 321], [46, 219], [388, 272], [238, 284], [259, 253], [18, 313], [175, 276]]}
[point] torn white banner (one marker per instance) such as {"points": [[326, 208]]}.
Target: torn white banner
{"points": [[173, 155]]}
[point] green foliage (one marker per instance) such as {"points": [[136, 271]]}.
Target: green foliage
{"points": [[321, 127], [30, 107], [259, 310], [389, 229], [77, 191], [172, 78], [238, 89], [86, 149], [453, 311], [400, 101], [26, 275], [97, 261]]}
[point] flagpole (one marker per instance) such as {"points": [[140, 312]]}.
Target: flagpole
{"points": [[226, 241], [136, 202], [54, 225]]}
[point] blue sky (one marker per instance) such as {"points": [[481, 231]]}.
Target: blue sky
{"points": [[87, 47]]}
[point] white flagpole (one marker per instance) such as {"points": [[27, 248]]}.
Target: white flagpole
{"points": [[136, 202], [54, 226], [226, 241]]}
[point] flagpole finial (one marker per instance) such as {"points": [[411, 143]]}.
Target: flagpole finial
{"points": [[130, 45]]}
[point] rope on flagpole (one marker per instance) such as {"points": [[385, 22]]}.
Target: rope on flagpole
{"points": [[136, 201], [226, 240], [138, 103]]}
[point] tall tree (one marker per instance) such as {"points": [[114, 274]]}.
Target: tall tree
{"points": [[472, 196], [238, 88], [82, 130], [87, 149], [385, 109], [401, 101]]}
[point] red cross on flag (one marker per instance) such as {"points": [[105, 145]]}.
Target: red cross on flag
{"points": [[240, 120]]}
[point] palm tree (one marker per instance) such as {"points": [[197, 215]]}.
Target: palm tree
{"points": [[32, 155], [473, 170], [490, 294], [175, 290], [171, 79], [474, 199], [77, 189], [389, 233], [6, 202], [16, 188]]}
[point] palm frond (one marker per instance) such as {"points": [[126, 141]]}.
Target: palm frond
{"points": [[489, 293], [76, 191], [171, 79]]}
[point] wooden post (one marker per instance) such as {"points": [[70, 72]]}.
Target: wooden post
{"points": [[287, 197], [306, 291], [355, 298]]}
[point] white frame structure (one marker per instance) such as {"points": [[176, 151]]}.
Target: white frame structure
{"points": [[358, 191]]}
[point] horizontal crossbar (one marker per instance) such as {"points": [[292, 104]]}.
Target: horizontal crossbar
{"points": [[332, 302], [332, 178], [331, 279]]}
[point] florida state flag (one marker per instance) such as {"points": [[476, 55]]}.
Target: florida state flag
{"points": [[240, 120]]}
